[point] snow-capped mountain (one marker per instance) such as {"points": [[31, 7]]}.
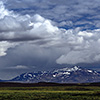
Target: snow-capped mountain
{"points": [[65, 75]]}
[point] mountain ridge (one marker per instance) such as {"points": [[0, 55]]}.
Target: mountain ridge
{"points": [[74, 74]]}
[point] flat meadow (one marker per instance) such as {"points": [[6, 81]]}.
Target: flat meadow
{"points": [[50, 93]]}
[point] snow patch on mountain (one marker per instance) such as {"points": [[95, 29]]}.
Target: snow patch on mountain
{"points": [[75, 68], [90, 71]]}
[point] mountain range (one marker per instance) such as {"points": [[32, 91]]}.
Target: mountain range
{"points": [[74, 74]]}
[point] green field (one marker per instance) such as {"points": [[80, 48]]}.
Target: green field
{"points": [[50, 93]]}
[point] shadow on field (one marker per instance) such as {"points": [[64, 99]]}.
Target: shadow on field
{"points": [[15, 84]]}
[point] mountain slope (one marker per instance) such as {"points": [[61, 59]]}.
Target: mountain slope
{"points": [[64, 75]]}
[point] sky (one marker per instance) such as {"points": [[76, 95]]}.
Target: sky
{"points": [[38, 35]]}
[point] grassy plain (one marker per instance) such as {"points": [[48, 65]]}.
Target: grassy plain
{"points": [[50, 93]]}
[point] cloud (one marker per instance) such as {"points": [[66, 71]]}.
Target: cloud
{"points": [[59, 11], [48, 34], [3, 11], [4, 45], [74, 45], [18, 67], [14, 26], [19, 28], [84, 48]]}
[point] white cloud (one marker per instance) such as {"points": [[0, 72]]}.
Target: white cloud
{"points": [[76, 46], [84, 48], [85, 34], [4, 45], [19, 67], [61, 11], [3, 11], [14, 25], [75, 57]]}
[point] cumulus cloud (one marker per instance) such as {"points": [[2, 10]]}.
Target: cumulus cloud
{"points": [[61, 11], [15, 25], [4, 45], [19, 28], [76, 46], [84, 48]]}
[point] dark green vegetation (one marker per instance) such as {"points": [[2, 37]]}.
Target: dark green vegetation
{"points": [[68, 92]]}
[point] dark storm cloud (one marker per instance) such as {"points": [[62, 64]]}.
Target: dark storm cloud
{"points": [[20, 39]]}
